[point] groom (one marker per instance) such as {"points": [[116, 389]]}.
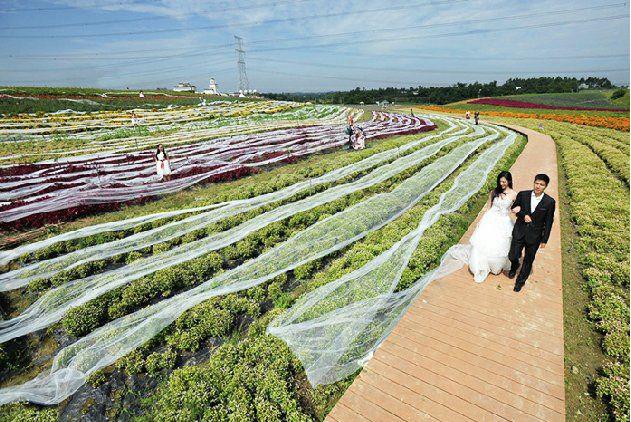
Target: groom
{"points": [[532, 228]]}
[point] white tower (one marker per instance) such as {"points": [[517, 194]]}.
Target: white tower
{"points": [[212, 88]]}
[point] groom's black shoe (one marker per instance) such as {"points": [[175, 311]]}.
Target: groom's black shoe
{"points": [[518, 286], [512, 273]]}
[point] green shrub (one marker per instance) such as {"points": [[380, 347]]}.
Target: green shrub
{"points": [[618, 93], [20, 412], [253, 380], [614, 387]]}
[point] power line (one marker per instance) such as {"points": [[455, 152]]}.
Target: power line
{"points": [[88, 77], [441, 24], [84, 57], [242, 24], [475, 58], [464, 72], [150, 18], [461, 22], [302, 75], [352, 79], [468, 32], [99, 56], [49, 9]]}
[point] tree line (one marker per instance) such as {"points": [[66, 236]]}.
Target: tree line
{"points": [[448, 94]]}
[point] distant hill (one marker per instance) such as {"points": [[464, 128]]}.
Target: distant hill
{"points": [[584, 99]]}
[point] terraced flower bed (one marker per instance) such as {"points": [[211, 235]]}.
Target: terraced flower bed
{"points": [[56, 136], [596, 165], [505, 102], [38, 193], [198, 289], [611, 122]]}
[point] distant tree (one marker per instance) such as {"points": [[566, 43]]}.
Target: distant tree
{"points": [[443, 95]]}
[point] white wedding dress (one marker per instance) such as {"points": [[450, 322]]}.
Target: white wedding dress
{"points": [[487, 251]]}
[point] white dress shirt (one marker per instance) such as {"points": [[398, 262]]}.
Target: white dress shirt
{"points": [[534, 200]]}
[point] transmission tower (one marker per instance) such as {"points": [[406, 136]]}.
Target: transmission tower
{"points": [[244, 84]]}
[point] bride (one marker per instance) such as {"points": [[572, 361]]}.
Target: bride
{"points": [[487, 251]]}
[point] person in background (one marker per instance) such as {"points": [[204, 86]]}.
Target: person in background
{"points": [[358, 138], [141, 95], [476, 117], [163, 164], [467, 115], [349, 130]]}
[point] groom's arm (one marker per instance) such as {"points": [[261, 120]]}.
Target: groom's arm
{"points": [[548, 225], [519, 203]]}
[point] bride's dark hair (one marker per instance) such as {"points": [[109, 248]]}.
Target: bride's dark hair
{"points": [[498, 187]]}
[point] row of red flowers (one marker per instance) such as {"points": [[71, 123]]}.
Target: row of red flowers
{"points": [[503, 102], [108, 183]]}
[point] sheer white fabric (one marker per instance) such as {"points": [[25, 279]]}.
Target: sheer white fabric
{"points": [[108, 180], [334, 329], [54, 304], [487, 251], [47, 268], [74, 363]]}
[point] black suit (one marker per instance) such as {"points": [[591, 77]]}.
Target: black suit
{"points": [[530, 235]]}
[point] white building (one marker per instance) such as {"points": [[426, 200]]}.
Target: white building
{"points": [[184, 87], [213, 88]]}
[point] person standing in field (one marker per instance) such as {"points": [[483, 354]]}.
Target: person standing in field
{"points": [[476, 117], [163, 164], [349, 130]]}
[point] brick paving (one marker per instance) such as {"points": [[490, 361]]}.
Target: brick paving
{"points": [[468, 351]]}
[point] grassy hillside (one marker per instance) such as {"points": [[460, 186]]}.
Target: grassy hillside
{"points": [[16, 100], [587, 98]]}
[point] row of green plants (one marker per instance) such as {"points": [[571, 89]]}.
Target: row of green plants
{"points": [[254, 374], [277, 294], [616, 159], [240, 189], [599, 209], [167, 282], [31, 149], [616, 138], [91, 268], [245, 188], [182, 395], [50, 99]]}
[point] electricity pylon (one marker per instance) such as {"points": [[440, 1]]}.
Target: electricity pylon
{"points": [[244, 84]]}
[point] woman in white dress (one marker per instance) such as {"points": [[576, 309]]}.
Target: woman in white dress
{"points": [[487, 251], [163, 165], [358, 138]]}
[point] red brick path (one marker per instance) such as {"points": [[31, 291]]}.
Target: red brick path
{"points": [[468, 351]]}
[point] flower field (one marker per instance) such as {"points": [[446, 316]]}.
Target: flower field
{"points": [[18, 100], [596, 166], [83, 181], [509, 102], [166, 314], [588, 99], [610, 122]]}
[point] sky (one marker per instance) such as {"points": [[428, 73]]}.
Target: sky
{"points": [[308, 45]]}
